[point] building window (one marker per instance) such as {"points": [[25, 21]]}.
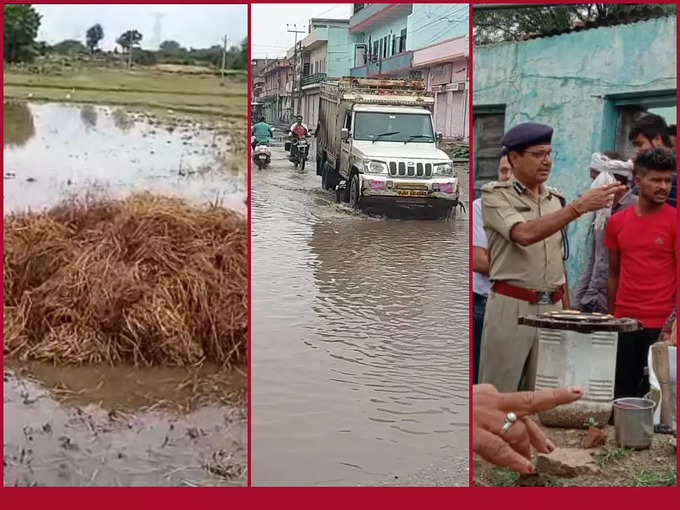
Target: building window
{"points": [[376, 45], [402, 41], [488, 125], [380, 48], [394, 44], [628, 109], [385, 39]]}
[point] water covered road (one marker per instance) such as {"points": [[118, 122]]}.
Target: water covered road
{"points": [[359, 339]]}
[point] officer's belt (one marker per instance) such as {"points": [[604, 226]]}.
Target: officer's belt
{"points": [[535, 297]]}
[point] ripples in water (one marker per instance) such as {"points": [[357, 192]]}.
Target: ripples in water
{"points": [[360, 337]]}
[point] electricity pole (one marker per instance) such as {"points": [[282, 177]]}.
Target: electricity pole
{"points": [[224, 55], [295, 31]]}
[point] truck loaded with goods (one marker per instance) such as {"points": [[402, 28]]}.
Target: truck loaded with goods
{"points": [[376, 145]]}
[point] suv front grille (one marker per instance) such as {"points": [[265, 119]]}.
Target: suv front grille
{"points": [[401, 169]]}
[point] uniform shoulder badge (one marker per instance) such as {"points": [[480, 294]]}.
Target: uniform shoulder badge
{"points": [[491, 186], [555, 191]]}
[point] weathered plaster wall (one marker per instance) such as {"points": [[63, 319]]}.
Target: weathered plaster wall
{"points": [[432, 23], [340, 51], [563, 81], [389, 28]]}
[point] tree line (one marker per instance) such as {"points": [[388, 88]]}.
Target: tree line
{"points": [[495, 25], [20, 29]]}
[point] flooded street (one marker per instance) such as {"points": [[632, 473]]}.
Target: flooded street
{"points": [[103, 425], [359, 340], [55, 150]]}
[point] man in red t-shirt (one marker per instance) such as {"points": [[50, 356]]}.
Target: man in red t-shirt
{"points": [[642, 260]]}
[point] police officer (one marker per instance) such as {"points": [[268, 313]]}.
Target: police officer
{"points": [[524, 222]]}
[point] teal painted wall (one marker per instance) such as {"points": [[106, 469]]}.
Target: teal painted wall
{"points": [[340, 52], [390, 28], [431, 23], [564, 81]]}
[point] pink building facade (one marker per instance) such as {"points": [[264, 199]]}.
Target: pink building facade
{"points": [[444, 67]]}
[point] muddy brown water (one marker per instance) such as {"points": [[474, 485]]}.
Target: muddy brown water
{"points": [[52, 151], [120, 425], [359, 340], [54, 443]]}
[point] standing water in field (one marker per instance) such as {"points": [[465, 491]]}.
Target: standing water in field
{"points": [[55, 150]]}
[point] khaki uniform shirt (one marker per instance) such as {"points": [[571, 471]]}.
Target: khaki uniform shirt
{"points": [[538, 266]]}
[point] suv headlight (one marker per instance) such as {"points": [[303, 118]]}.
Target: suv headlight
{"points": [[443, 169], [375, 167]]}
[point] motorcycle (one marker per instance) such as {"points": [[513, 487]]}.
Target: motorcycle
{"points": [[262, 155], [299, 151]]}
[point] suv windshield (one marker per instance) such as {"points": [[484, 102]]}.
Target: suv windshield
{"points": [[393, 127]]}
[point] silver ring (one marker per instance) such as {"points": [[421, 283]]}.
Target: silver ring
{"points": [[510, 420]]}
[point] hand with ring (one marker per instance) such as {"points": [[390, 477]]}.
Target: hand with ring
{"points": [[502, 430]]}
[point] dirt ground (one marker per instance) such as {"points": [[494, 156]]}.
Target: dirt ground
{"points": [[618, 467]]}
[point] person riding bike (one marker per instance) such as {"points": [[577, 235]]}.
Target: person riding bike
{"points": [[297, 130], [261, 132]]}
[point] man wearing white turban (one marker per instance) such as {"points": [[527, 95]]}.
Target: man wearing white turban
{"points": [[591, 290]]}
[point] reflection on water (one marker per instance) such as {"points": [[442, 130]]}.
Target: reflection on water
{"points": [[122, 120], [56, 150], [17, 124], [119, 426], [360, 338], [88, 114], [130, 388], [48, 443]]}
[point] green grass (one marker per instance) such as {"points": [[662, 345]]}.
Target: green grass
{"points": [[504, 477], [143, 87], [647, 478], [608, 455]]}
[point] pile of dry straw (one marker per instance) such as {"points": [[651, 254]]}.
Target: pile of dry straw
{"points": [[145, 280]]}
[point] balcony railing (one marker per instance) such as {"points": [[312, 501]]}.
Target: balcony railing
{"points": [[399, 63], [313, 78]]}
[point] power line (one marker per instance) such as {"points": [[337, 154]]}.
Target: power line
{"points": [[438, 18], [295, 31], [443, 17], [436, 37]]}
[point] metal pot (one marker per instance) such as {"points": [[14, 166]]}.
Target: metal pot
{"points": [[634, 422]]}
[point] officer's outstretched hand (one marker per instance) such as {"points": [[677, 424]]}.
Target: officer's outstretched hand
{"points": [[597, 198], [513, 447]]}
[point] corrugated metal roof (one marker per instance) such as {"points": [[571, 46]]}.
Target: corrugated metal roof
{"points": [[628, 19]]}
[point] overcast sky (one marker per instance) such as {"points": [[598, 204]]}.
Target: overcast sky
{"points": [[198, 26], [269, 36]]}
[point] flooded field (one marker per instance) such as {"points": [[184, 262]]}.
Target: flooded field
{"points": [[100, 425], [359, 341], [54, 150], [111, 440]]}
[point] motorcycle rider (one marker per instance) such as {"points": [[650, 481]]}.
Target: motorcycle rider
{"points": [[297, 130], [261, 132]]}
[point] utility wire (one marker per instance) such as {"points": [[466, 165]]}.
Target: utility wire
{"points": [[442, 18]]}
